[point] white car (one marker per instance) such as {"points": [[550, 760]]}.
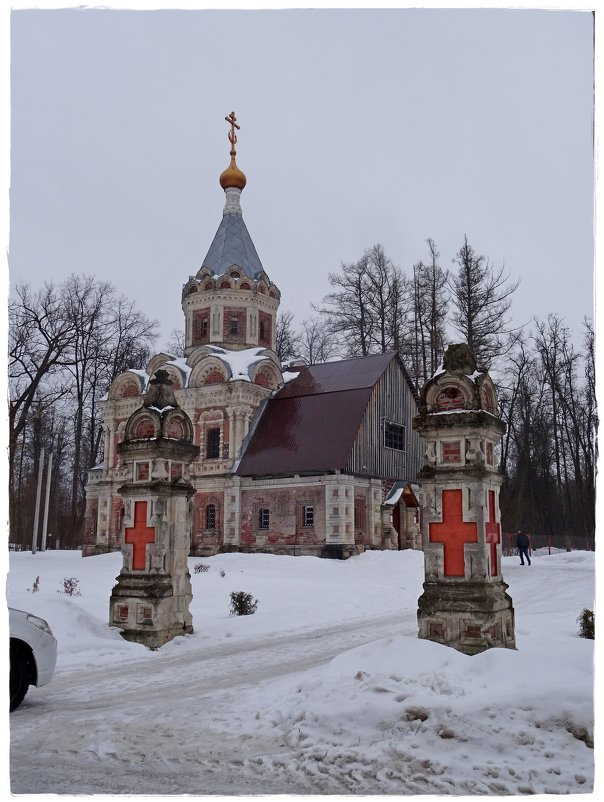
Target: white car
{"points": [[33, 654]]}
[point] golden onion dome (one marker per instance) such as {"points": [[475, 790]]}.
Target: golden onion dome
{"points": [[232, 176]]}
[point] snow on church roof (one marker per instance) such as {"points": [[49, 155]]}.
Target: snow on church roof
{"points": [[141, 374], [239, 362], [181, 364]]}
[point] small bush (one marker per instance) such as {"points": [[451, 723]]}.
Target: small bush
{"points": [[242, 603], [222, 572], [36, 586], [201, 568], [587, 624], [71, 586]]}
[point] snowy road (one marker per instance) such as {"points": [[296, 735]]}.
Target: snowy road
{"points": [[90, 732], [325, 690]]}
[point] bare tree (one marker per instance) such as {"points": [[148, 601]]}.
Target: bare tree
{"points": [[574, 417], [67, 343], [512, 377], [132, 335], [430, 306], [316, 342], [41, 337], [285, 336], [365, 309], [348, 307], [482, 298], [549, 449], [85, 300], [176, 343], [385, 285]]}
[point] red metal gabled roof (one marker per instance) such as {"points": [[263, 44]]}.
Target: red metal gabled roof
{"points": [[332, 377], [310, 425]]}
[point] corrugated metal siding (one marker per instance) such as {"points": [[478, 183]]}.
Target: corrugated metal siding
{"points": [[392, 400]]}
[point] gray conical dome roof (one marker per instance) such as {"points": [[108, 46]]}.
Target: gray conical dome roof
{"points": [[232, 245]]}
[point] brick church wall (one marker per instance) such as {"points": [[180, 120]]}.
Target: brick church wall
{"points": [[286, 528], [264, 330], [201, 327], [362, 535], [90, 521], [207, 540], [115, 530], [230, 315]]}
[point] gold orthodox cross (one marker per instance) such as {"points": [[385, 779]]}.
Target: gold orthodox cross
{"points": [[232, 135]]}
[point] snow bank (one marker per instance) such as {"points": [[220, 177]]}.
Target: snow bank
{"points": [[394, 715]]}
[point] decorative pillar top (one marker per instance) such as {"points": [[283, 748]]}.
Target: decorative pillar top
{"points": [[459, 358], [459, 387], [160, 423], [160, 394]]}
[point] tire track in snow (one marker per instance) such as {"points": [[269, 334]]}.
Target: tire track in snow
{"points": [[231, 664], [124, 729]]}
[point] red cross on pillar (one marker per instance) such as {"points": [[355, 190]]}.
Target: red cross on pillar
{"points": [[139, 535], [492, 530], [453, 532]]}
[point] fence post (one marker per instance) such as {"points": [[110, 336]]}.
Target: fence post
{"points": [[34, 540]]}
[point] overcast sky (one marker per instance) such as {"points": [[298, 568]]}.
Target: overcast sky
{"points": [[357, 127]]}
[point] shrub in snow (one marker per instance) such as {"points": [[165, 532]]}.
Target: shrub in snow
{"points": [[587, 624], [242, 603], [36, 586], [71, 586], [201, 568], [222, 572]]}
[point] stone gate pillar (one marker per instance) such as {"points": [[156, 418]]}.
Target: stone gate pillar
{"points": [[464, 603], [150, 602]]}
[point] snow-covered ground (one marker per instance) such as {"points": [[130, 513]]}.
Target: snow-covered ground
{"points": [[326, 689]]}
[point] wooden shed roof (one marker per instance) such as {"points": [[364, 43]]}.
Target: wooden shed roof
{"points": [[310, 424]]}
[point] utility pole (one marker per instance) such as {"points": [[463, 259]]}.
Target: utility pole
{"points": [[45, 524], [34, 540]]}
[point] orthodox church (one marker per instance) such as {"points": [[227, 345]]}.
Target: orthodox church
{"points": [[300, 459]]}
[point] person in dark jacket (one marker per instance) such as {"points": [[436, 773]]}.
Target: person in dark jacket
{"points": [[522, 544]]}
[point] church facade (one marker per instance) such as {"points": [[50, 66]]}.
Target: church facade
{"points": [[305, 459]]}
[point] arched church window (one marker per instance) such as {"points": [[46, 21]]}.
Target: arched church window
{"points": [[214, 376], [244, 286], [208, 285], [175, 430], [224, 285], [234, 325], [450, 398], [204, 327], [175, 379], [487, 402], [262, 331], [211, 516], [128, 389], [213, 443], [145, 428], [234, 274], [193, 289]]}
